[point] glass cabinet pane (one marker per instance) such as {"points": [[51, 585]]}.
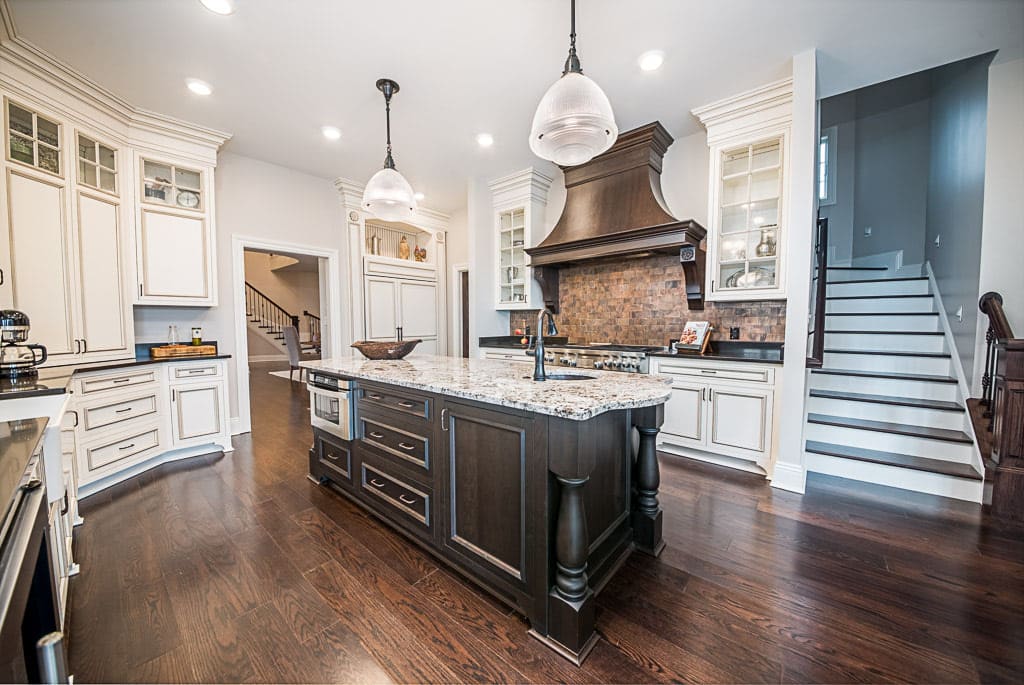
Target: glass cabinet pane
{"points": [[86, 173], [86, 148], [20, 120], [49, 158], [736, 162], [764, 185], [22, 149], [734, 190], [766, 155], [107, 180], [185, 178], [156, 172], [47, 132], [106, 158]]}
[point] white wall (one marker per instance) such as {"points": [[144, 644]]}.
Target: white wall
{"points": [[484, 319], [1002, 238], [260, 200], [841, 112]]}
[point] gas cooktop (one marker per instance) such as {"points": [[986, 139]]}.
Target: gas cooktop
{"points": [[602, 356]]}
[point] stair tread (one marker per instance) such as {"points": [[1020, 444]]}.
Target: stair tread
{"points": [[892, 353], [880, 280], [890, 332], [941, 405], [858, 268], [944, 434], [907, 461], [872, 297], [886, 374], [881, 313]]}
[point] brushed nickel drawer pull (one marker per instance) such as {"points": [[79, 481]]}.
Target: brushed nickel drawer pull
{"points": [[121, 380], [376, 435], [198, 370], [332, 456], [127, 447], [406, 446], [407, 501], [711, 371], [374, 483], [374, 397], [407, 405], [121, 411]]}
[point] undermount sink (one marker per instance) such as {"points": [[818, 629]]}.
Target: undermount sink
{"points": [[565, 377]]}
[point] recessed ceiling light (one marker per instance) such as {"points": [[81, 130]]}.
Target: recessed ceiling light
{"points": [[198, 87], [419, 196], [219, 6], [331, 132], [651, 60], [484, 139]]}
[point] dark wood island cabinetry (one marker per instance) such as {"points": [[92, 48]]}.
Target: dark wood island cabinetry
{"points": [[539, 510]]}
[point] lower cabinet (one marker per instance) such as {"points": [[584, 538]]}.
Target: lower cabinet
{"points": [[721, 412], [506, 354], [196, 410]]}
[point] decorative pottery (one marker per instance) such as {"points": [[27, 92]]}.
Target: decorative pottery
{"points": [[387, 349]]}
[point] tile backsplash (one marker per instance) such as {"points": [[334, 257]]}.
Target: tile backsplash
{"points": [[642, 302]]}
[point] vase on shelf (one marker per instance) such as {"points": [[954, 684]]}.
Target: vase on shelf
{"points": [[766, 248]]}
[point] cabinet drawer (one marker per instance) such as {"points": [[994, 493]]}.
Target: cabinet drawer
{"points": [[716, 372], [121, 410], [186, 371], [333, 458], [121, 449], [396, 401], [413, 502], [395, 441], [123, 380]]}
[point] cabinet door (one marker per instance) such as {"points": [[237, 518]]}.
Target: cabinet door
{"points": [[39, 261], [739, 420], [101, 297], [684, 413], [173, 258], [427, 347], [418, 308], [196, 413], [381, 308]]}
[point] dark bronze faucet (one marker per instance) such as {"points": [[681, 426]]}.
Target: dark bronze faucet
{"points": [[538, 348]]}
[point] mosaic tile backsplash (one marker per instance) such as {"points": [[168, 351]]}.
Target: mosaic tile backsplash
{"points": [[642, 302]]}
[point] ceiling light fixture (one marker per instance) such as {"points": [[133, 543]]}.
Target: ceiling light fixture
{"points": [[198, 87], [484, 139], [219, 6], [574, 121], [651, 60], [388, 196], [419, 196], [331, 132]]}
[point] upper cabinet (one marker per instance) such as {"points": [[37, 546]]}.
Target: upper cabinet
{"points": [[518, 202], [749, 139], [33, 139]]}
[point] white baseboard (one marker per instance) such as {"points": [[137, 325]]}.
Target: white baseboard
{"points": [[237, 428], [172, 455], [791, 477]]}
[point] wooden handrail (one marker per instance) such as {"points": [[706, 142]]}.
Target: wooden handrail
{"points": [[991, 303], [310, 315], [816, 357], [265, 309]]}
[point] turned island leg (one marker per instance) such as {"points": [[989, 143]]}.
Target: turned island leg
{"points": [[646, 515]]}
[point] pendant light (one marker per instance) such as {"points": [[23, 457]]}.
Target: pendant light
{"points": [[574, 121], [388, 196]]}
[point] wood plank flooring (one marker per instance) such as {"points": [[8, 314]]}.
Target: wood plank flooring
{"points": [[238, 569]]}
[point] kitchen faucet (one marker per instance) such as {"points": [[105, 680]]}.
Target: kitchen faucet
{"points": [[538, 348]]}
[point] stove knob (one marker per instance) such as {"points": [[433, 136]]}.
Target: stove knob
{"points": [[563, 360], [572, 363], [598, 365]]}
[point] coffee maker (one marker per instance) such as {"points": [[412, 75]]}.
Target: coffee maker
{"points": [[18, 359]]}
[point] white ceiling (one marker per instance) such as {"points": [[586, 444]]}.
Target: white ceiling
{"points": [[280, 70]]}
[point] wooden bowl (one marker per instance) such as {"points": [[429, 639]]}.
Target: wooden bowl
{"points": [[386, 349]]}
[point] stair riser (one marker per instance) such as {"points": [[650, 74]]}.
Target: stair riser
{"points": [[890, 442], [888, 304], [878, 288], [892, 387], [839, 275], [905, 479], [933, 366], [892, 343], [891, 413], [885, 322]]}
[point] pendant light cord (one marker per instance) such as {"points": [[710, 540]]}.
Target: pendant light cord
{"points": [[389, 162], [572, 62]]}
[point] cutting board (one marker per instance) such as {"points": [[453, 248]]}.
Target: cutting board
{"points": [[165, 351]]}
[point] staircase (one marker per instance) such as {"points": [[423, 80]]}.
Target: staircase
{"points": [[885, 407], [266, 318]]}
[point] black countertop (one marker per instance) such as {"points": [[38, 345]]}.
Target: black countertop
{"points": [[733, 351], [513, 341], [54, 380], [18, 442]]}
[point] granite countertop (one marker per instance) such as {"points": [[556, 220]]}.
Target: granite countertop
{"points": [[507, 385], [54, 380], [733, 351]]}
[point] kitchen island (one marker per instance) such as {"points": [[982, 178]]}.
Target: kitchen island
{"points": [[533, 490]]}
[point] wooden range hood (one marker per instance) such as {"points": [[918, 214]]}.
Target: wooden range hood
{"points": [[614, 208]]}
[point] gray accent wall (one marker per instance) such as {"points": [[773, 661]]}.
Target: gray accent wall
{"points": [[956, 192]]}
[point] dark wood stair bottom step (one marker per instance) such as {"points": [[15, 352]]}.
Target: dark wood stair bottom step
{"points": [[906, 461], [886, 374], [893, 353], [916, 402], [925, 432], [858, 268]]}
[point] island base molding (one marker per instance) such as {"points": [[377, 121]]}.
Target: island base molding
{"points": [[539, 511]]}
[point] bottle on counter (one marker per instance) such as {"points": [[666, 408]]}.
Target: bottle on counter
{"points": [[172, 335]]}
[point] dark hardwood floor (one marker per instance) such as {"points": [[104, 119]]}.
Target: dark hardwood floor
{"points": [[237, 568]]}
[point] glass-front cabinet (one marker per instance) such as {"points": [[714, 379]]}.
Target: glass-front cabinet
{"points": [[748, 137], [519, 201], [33, 139], [512, 257], [97, 165], [170, 185], [748, 216]]}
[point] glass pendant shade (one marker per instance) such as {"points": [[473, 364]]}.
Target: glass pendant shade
{"points": [[389, 197], [574, 122]]}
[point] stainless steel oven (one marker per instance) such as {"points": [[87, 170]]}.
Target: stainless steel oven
{"points": [[330, 404]]}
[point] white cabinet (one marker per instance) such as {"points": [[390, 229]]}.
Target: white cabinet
{"points": [[196, 410], [174, 260], [507, 355], [747, 197], [103, 313], [518, 201], [720, 411], [393, 303]]}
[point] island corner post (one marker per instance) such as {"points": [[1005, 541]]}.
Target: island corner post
{"points": [[574, 453]]}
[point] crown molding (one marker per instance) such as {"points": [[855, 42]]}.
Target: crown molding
{"points": [[767, 107], [7, 29], [527, 184]]}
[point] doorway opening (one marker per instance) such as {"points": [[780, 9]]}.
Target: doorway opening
{"points": [[460, 311]]}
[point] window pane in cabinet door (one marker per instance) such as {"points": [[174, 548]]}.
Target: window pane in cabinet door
{"points": [[184, 178], [87, 173], [20, 120], [734, 247], [107, 181], [734, 190], [107, 157], [48, 132], [729, 276], [734, 219], [22, 149], [49, 159], [86, 149], [766, 155], [764, 185], [735, 162], [764, 213], [157, 172]]}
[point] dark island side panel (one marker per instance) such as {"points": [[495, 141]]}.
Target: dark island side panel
{"points": [[643, 302]]}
